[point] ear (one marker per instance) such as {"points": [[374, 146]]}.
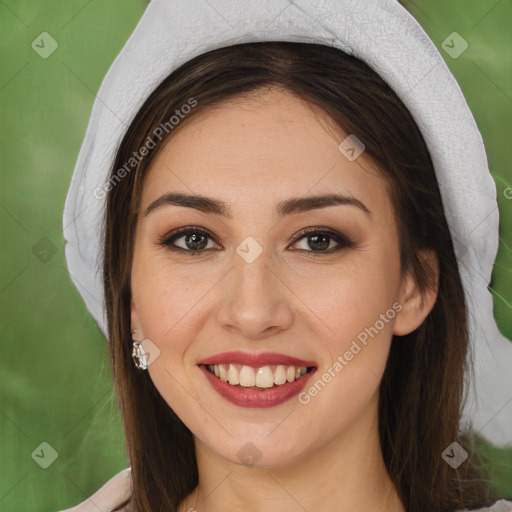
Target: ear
{"points": [[134, 318], [416, 304]]}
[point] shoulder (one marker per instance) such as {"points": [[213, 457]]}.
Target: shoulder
{"points": [[114, 492], [499, 506]]}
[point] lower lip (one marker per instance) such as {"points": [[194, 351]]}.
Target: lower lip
{"points": [[256, 398]]}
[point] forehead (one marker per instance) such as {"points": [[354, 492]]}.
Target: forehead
{"points": [[268, 145]]}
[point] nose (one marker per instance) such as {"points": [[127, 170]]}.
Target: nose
{"points": [[255, 300]]}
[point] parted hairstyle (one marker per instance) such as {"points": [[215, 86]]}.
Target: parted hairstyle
{"points": [[422, 391]]}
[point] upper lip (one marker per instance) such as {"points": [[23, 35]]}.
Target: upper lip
{"points": [[255, 360]]}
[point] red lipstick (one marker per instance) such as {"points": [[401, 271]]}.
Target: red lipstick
{"points": [[252, 397], [255, 360]]}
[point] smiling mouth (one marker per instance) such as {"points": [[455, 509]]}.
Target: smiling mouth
{"points": [[263, 377]]}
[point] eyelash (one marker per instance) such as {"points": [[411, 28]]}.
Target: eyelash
{"points": [[342, 241]]}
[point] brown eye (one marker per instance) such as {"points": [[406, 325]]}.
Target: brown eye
{"points": [[193, 240], [320, 241]]}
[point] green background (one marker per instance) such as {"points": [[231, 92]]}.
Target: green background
{"points": [[55, 383]]}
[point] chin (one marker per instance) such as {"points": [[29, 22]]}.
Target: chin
{"points": [[263, 450]]}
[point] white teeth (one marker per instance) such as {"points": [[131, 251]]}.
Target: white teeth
{"points": [[247, 377], [233, 375], [280, 375], [264, 377], [223, 374]]}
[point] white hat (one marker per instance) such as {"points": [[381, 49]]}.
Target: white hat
{"points": [[386, 37]]}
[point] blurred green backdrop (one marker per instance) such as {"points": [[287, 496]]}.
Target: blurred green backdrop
{"points": [[55, 383]]}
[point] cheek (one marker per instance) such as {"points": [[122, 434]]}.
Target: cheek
{"points": [[349, 299], [358, 308], [166, 305], [167, 297]]}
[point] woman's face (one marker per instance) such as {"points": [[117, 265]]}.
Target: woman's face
{"points": [[262, 289]]}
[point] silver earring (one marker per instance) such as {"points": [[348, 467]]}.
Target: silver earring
{"points": [[138, 354]]}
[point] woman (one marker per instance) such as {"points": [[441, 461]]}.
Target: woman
{"points": [[279, 265]]}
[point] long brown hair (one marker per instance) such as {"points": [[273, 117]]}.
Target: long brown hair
{"points": [[422, 389]]}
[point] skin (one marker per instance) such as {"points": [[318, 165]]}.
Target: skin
{"points": [[252, 153]]}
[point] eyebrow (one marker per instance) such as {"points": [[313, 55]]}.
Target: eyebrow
{"points": [[283, 208]]}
